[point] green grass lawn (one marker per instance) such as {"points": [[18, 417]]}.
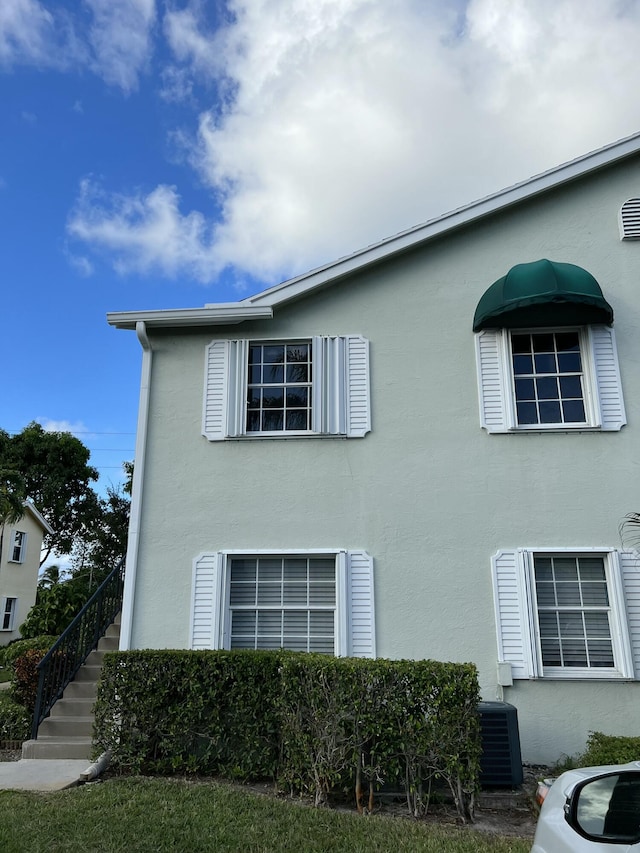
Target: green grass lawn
{"points": [[158, 815]]}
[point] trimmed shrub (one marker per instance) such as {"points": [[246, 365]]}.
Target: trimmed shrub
{"points": [[25, 678], [15, 720], [610, 749], [14, 650], [315, 723]]}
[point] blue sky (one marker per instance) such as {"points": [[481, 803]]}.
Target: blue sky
{"points": [[167, 154]]}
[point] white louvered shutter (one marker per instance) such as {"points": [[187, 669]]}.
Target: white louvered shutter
{"points": [[341, 386], [512, 615], [630, 570], [205, 614], [214, 420], [608, 384], [361, 632], [491, 381]]}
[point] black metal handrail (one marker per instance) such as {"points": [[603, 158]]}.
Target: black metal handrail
{"points": [[63, 660]]}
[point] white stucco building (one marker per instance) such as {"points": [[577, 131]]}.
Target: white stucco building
{"points": [[20, 546], [341, 463]]}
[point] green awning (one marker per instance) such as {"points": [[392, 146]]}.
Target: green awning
{"points": [[543, 293]]}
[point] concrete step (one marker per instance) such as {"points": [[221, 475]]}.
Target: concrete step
{"points": [[109, 644], [89, 672], [66, 727], [54, 747], [81, 690], [73, 707]]}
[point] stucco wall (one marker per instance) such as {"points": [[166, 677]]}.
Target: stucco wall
{"points": [[428, 493], [20, 580]]}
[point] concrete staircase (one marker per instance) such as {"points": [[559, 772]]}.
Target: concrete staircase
{"points": [[67, 732]]}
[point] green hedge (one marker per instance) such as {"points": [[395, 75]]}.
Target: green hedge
{"points": [[9, 654], [610, 749], [15, 720], [314, 723]]}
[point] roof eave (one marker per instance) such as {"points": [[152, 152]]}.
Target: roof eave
{"points": [[211, 315]]}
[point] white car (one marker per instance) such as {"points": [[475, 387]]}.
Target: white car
{"points": [[589, 810]]}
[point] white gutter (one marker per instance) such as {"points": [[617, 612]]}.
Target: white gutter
{"points": [[133, 543], [224, 314]]}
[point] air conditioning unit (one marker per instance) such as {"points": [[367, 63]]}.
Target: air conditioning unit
{"points": [[501, 762]]}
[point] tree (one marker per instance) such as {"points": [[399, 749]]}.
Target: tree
{"points": [[51, 468], [104, 541]]}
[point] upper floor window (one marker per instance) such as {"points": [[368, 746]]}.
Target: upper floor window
{"points": [[279, 388], [18, 546], [546, 352]]}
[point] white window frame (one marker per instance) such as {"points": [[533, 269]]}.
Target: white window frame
{"points": [[19, 544], [602, 387], [517, 614], [340, 404], [354, 624], [8, 607]]}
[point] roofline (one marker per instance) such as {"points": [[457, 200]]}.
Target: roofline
{"points": [[211, 315], [30, 507], [260, 306], [415, 236]]}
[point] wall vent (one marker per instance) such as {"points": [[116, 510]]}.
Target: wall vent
{"points": [[500, 762], [630, 220]]}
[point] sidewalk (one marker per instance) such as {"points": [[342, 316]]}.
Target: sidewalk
{"points": [[40, 774]]}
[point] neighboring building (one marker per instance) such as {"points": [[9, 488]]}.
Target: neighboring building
{"points": [[20, 546], [417, 451]]}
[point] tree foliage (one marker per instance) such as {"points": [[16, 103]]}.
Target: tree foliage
{"points": [[51, 468]]}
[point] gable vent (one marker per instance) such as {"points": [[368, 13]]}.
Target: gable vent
{"points": [[630, 220]]}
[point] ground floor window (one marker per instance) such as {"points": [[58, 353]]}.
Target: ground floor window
{"points": [[283, 602], [8, 613]]}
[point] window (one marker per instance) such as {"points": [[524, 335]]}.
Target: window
{"points": [[283, 603], [565, 614], [300, 387], [279, 387], [549, 379], [18, 546], [318, 601], [8, 613]]}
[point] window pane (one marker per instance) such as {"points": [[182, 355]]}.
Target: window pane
{"points": [[269, 594], [547, 389], [242, 594], [527, 413], [273, 398], [521, 343], [565, 568], [269, 569], [548, 624], [297, 373], [568, 341], [568, 594], [296, 622], [243, 570], [600, 653], [297, 420], [570, 386], [272, 421], [253, 421], [569, 362], [295, 570], [321, 622], [525, 389], [295, 593], [323, 569], [595, 595], [321, 645], [546, 593], [573, 411], [269, 623], [597, 625], [591, 568], [322, 594], [522, 364], [297, 397], [551, 652], [273, 354], [574, 652], [550, 413], [545, 363], [543, 343], [570, 623], [298, 352], [544, 568]]}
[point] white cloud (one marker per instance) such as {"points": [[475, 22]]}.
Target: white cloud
{"points": [[114, 41], [145, 232], [50, 425], [31, 34], [120, 35], [339, 122]]}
